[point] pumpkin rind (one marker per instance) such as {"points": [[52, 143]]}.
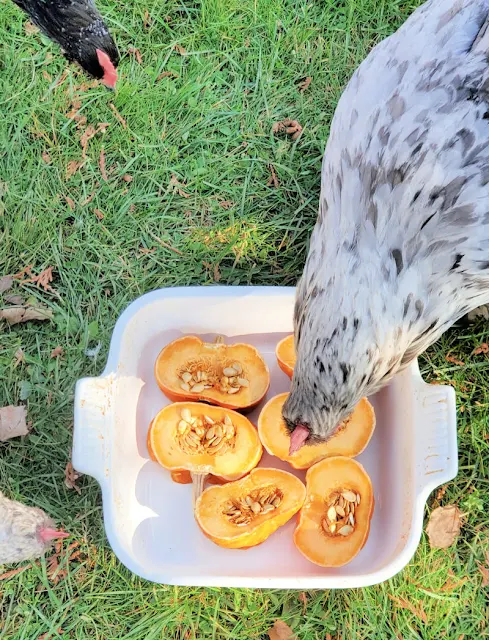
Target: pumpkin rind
{"points": [[216, 526], [286, 356], [349, 440], [325, 477], [235, 462], [176, 354]]}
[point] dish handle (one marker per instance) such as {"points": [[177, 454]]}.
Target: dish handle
{"points": [[92, 426], [436, 438]]}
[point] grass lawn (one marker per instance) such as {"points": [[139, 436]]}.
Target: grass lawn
{"points": [[186, 199]]}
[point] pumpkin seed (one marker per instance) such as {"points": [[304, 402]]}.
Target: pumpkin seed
{"points": [[184, 386], [340, 511], [183, 426], [331, 514], [249, 500], [225, 381], [232, 390], [325, 524], [267, 508], [198, 376], [358, 498], [186, 415], [243, 382], [229, 372], [256, 507], [229, 431], [237, 367], [210, 433], [227, 421], [197, 388], [186, 377], [352, 519], [349, 495], [276, 501], [332, 528], [346, 530], [209, 420]]}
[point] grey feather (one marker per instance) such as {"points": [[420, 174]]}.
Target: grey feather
{"points": [[400, 250]]}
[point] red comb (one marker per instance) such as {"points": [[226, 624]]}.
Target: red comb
{"points": [[110, 72], [297, 438]]}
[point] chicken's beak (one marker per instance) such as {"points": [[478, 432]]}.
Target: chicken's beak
{"points": [[298, 438], [46, 534]]}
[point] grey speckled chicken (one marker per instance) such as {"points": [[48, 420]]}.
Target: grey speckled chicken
{"points": [[400, 250], [25, 532]]}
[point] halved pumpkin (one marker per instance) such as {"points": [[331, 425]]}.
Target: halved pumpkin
{"points": [[202, 439], [232, 376], [185, 477], [334, 521], [286, 356], [350, 439], [245, 513]]}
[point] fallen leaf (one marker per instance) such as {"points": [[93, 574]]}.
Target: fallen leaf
{"points": [[303, 86], [217, 273], [175, 186], [444, 526], [179, 49], [484, 570], [72, 167], [70, 202], [71, 476], [46, 157], [101, 164], [226, 204], [454, 360], [14, 572], [49, 634], [127, 178], [14, 315], [441, 492], [167, 74], [12, 422], [19, 357], [273, 180], [118, 115], [136, 53], [147, 21], [99, 214], [89, 133], [48, 77], [303, 599], [483, 348], [12, 299], [90, 197], [290, 127], [30, 28], [281, 631], [41, 280], [57, 352], [402, 603], [5, 283], [452, 583]]}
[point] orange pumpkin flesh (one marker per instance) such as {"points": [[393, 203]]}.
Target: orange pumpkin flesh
{"points": [[212, 507], [185, 477], [350, 440], [190, 354], [286, 356], [325, 480], [239, 454]]}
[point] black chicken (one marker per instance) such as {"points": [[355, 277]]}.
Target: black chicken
{"points": [[78, 28]]}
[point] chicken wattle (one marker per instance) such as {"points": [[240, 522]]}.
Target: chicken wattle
{"points": [[400, 250]]}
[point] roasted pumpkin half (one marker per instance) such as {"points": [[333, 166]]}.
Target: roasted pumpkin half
{"points": [[245, 513], [202, 439], [233, 376], [350, 440], [334, 521], [286, 356]]}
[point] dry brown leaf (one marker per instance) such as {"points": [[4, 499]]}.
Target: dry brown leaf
{"points": [[48, 634], [46, 157], [14, 299], [147, 21], [71, 476], [101, 164], [402, 603], [14, 572], [72, 167], [30, 29], [484, 570], [454, 360], [70, 202], [303, 86], [167, 74], [14, 315], [452, 583], [444, 526], [136, 53], [303, 599], [290, 127], [176, 187], [41, 280], [217, 273], [5, 283], [90, 197], [57, 352], [99, 214], [273, 180], [89, 133], [281, 631], [118, 115], [12, 422], [127, 178], [19, 357], [179, 49], [226, 204], [482, 348]]}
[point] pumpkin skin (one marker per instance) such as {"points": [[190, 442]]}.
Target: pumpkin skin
{"points": [[350, 440], [286, 356], [177, 354], [322, 480], [231, 464], [210, 506]]}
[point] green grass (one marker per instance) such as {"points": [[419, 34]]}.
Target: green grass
{"points": [[210, 126]]}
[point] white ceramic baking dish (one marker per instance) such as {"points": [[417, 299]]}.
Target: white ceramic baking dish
{"points": [[148, 518]]}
